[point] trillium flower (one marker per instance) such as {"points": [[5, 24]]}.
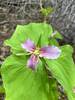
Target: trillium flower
{"points": [[49, 52]]}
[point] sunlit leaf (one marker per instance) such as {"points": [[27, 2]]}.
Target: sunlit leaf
{"points": [[63, 69], [32, 31], [21, 83]]}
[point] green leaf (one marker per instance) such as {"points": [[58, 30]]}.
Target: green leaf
{"points": [[63, 69], [21, 83], [31, 31], [2, 90], [58, 35], [53, 89], [53, 41]]}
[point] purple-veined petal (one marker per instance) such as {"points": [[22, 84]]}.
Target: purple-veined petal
{"points": [[32, 62], [28, 46], [50, 52]]}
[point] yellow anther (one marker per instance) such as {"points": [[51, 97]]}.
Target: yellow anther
{"points": [[36, 52]]}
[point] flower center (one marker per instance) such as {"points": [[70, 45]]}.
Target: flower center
{"points": [[36, 52]]}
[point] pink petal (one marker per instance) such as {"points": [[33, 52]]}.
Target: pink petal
{"points": [[32, 62], [28, 46], [50, 52]]}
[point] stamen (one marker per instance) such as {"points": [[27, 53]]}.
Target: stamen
{"points": [[36, 52]]}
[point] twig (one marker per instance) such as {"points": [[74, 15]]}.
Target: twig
{"points": [[4, 22]]}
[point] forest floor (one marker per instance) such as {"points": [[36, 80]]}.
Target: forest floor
{"points": [[11, 16]]}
